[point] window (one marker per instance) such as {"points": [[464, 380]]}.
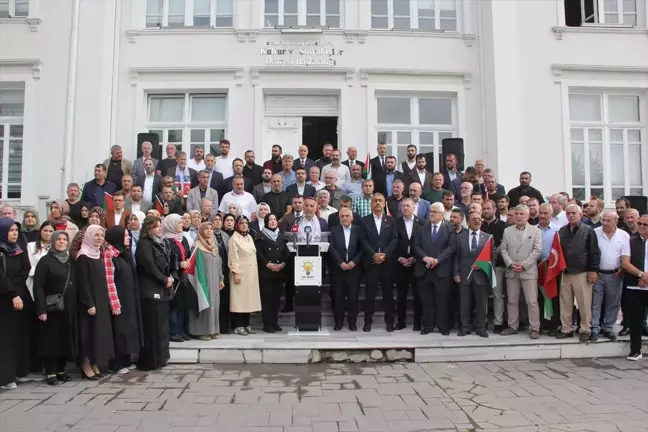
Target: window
{"points": [[189, 13], [621, 13], [423, 120], [294, 13], [12, 105], [606, 137], [429, 15], [14, 8], [188, 120]]}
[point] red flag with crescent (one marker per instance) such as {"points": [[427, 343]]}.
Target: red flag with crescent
{"points": [[550, 269]]}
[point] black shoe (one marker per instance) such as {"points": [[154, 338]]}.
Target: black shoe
{"points": [[562, 335], [337, 327], [63, 377], [498, 328], [425, 331], [92, 377], [482, 333], [366, 328], [288, 309], [552, 333], [353, 327], [625, 331], [522, 327], [186, 337], [445, 333], [176, 339], [593, 337], [390, 328], [462, 333], [401, 326], [609, 335], [277, 328], [417, 327], [269, 329], [52, 380]]}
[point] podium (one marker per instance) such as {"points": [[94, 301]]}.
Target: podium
{"points": [[308, 268]]}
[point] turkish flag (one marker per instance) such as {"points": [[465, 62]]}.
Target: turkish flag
{"points": [[551, 268]]}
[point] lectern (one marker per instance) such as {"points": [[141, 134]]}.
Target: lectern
{"points": [[308, 268]]}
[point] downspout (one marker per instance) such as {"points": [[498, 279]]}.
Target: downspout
{"points": [[115, 74], [482, 81], [70, 110]]}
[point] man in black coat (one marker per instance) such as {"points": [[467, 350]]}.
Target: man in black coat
{"points": [[352, 153], [384, 181], [345, 251], [379, 241], [451, 172], [378, 164], [300, 187], [434, 251], [345, 202], [407, 228], [303, 161], [525, 189], [215, 178], [251, 170], [156, 184], [226, 186]]}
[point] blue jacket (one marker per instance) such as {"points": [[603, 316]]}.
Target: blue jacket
{"points": [[94, 193]]}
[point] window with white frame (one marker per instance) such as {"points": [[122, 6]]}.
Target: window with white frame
{"points": [[295, 13], [14, 8], [422, 120], [606, 130], [12, 107], [429, 15], [188, 120], [622, 13], [189, 13]]}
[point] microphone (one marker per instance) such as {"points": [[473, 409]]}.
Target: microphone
{"points": [[308, 230]]}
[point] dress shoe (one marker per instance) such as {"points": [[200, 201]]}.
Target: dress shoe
{"points": [[366, 328], [593, 337], [562, 335], [445, 333], [401, 326], [625, 331], [417, 327], [535, 334], [63, 377], [584, 337], [498, 328], [609, 335], [462, 333], [425, 331], [52, 381], [337, 327], [277, 328], [552, 333], [353, 327], [390, 328], [269, 329], [186, 337], [177, 339], [508, 331], [482, 333]]}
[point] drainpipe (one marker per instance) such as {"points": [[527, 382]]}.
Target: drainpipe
{"points": [[70, 111], [115, 73]]}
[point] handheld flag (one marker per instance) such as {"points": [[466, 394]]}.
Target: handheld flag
{"points": [[159, 206], [366, 170], [549, 271], [197, 279], [485, 262], [108, 203]]}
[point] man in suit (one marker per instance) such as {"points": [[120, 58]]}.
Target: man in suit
{"points": [[345, 251], [395, 200], [303, 161], [521, 247], [293, 217], [334, 218], [150, 182], [237, 167], [434, 251], [215, 178], [352, 154], [379, 241], [421, 206], [136, 201], [385, 180], [300, 187], [335, 192], [494, 226], [470, 176], [407, 228], [251, 170], [451, 172], [420, 174], [474, 283], [264, 187], [410, 164], [379, 163], [185, 178], [138, 164], [118, 216], [200, 192]]}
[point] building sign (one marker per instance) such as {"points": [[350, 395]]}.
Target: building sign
{"points": [[300, 53], [308, 271]]}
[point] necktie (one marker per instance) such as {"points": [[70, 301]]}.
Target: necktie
{"points": [[382, 162], [473, 244], [434, 231], [302, 163]]}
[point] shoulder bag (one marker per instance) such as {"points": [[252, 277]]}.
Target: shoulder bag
{"points": [[56, 302]]}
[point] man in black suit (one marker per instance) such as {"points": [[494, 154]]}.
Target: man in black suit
{"points": [[434, 251], [184, 175], [345, 251], [379, 241], [215, 178], [303, 161], [407, 228], [352, 153], [378, 164], [384, 181], [237, 167], [151, 182], [451, 172], [251, 170], [345, 202], [300, 187]]}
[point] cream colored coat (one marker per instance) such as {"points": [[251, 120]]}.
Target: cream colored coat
{"points": [[242, 260]]}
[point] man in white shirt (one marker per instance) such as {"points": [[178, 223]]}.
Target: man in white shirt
{"points": [[118, 216], [240, 197], [197, 163], [224, 161], [614, 244], [138, 164], [324, 210], [559, 218], [314, 176], [341, 171], [311, 221], [150, 182]]}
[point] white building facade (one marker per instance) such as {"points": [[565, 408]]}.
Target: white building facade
{"points": [[556, 87]]}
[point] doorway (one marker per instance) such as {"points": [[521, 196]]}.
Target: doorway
{"points": [[317, 131]]}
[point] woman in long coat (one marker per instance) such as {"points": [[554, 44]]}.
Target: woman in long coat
{"points": [[30, 225], [15, 306], [95, 327], [57, 330], [222, 241], [244, 277], [207, 283], [59, 211], [97, 216], [121, 277], [156, 285]]}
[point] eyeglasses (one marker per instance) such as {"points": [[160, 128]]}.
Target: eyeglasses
{"points": [[641, 224]]}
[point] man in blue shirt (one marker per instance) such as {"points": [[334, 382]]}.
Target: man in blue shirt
{"points": [[287, 174], [94, 191], [548, 233]]}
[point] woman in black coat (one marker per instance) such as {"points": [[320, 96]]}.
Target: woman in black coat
{"points": [[156, 285], [16, 306], [272, 256], [95, 326], [57, 329], [121, 274], [222, 239]]}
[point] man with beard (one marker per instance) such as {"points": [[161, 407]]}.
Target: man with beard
{"points": [[384, 181], [277, 198], [303, 161], [594, 210], [197, 163], [215, 178], [451, 172], [300, 187], [494, 226], [412, 161], [435, 193], [534, 208], [251, 170], [394, 201], [167, 165], [448, 204], [525, 188], [224, 161], [622, 204], [264, 187], [237, 169], [419, 174], [275, 161], [378, 164], [341, 171]]}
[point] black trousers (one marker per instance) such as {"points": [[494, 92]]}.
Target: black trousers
{"points": [[638, 303], [271, 290], [289, 301], [405, 278], [379, 273], [454, 316], [473, 293], [54, 365], [241, 319], [435, 295], [120, 361], [552, 324], [347, 287]]}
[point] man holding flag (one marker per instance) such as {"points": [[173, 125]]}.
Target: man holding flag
{"points": [[549, 306]]}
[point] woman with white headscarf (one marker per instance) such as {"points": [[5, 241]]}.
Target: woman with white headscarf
{"points": [[134, 225], [256, 227]]}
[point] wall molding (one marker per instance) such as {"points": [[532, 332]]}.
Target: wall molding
{"points": [[135, 72], [466, 77], [34, 64], [558, 70], [32, 23], [559, 31], [132, 35]]}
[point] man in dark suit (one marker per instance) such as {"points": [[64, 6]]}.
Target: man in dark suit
{"points": [[352, 153], [150, 179], [420, 174], [237, 166], [334, 218], [292, 218], [474, 283], [303, 161], [345, 251], [264, 187], [251, 170], [215, 178], [300, 187], [407, 228], [451, 172], [183, 175], [434, 250], [409, 165], [384, 181], [379, 241], [378, 164]]}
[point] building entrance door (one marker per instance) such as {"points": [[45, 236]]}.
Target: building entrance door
{"points": [[317, 131]]}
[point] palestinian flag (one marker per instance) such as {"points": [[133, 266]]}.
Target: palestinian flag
{"points": [[485, 261], [159, 205], [108, 203], [196, 274], [366, 170], [549, 272]]}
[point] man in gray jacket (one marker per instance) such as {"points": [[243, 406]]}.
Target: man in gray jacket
{"points": [[202, 191], [138, 164]]}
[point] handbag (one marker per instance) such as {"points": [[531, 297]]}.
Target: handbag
{"points": [[56, 302]]}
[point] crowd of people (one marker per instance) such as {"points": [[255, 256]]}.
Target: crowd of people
{"points": [[151, 252]]}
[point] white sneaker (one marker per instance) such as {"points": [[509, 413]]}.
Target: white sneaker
{"points": [[29, 378], [634, 356], [10, 386], [133, 366], [123, 371]]}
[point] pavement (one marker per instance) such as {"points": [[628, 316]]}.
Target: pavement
{"points": [[597, 395]]}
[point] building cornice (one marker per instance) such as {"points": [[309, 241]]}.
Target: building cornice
{"points": [[32, 23], [256, 71], [559, 69], [135, 72], [559, 31], [34, 64], [132, 35], [466, 77]]}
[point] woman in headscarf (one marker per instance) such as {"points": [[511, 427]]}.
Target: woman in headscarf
{"points": [[222, 242], [97, 216], [156, 288], [38, 249], [154, 213], [15, 307], [229, 224], [192, 233], [179, 260], [57, 328], [256, 227], [244, 277], [134, 225], [29, 226], [95, 327], [84, 214], [59, 210], [272, 257], [207, 283], [234, 209], [122, 277]]}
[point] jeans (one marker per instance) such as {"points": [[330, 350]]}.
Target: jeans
{"points": [[177, 322], [606, 301]]}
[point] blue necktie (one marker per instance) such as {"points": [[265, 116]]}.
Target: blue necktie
{"points": [[434, 231], [473, 244]]}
